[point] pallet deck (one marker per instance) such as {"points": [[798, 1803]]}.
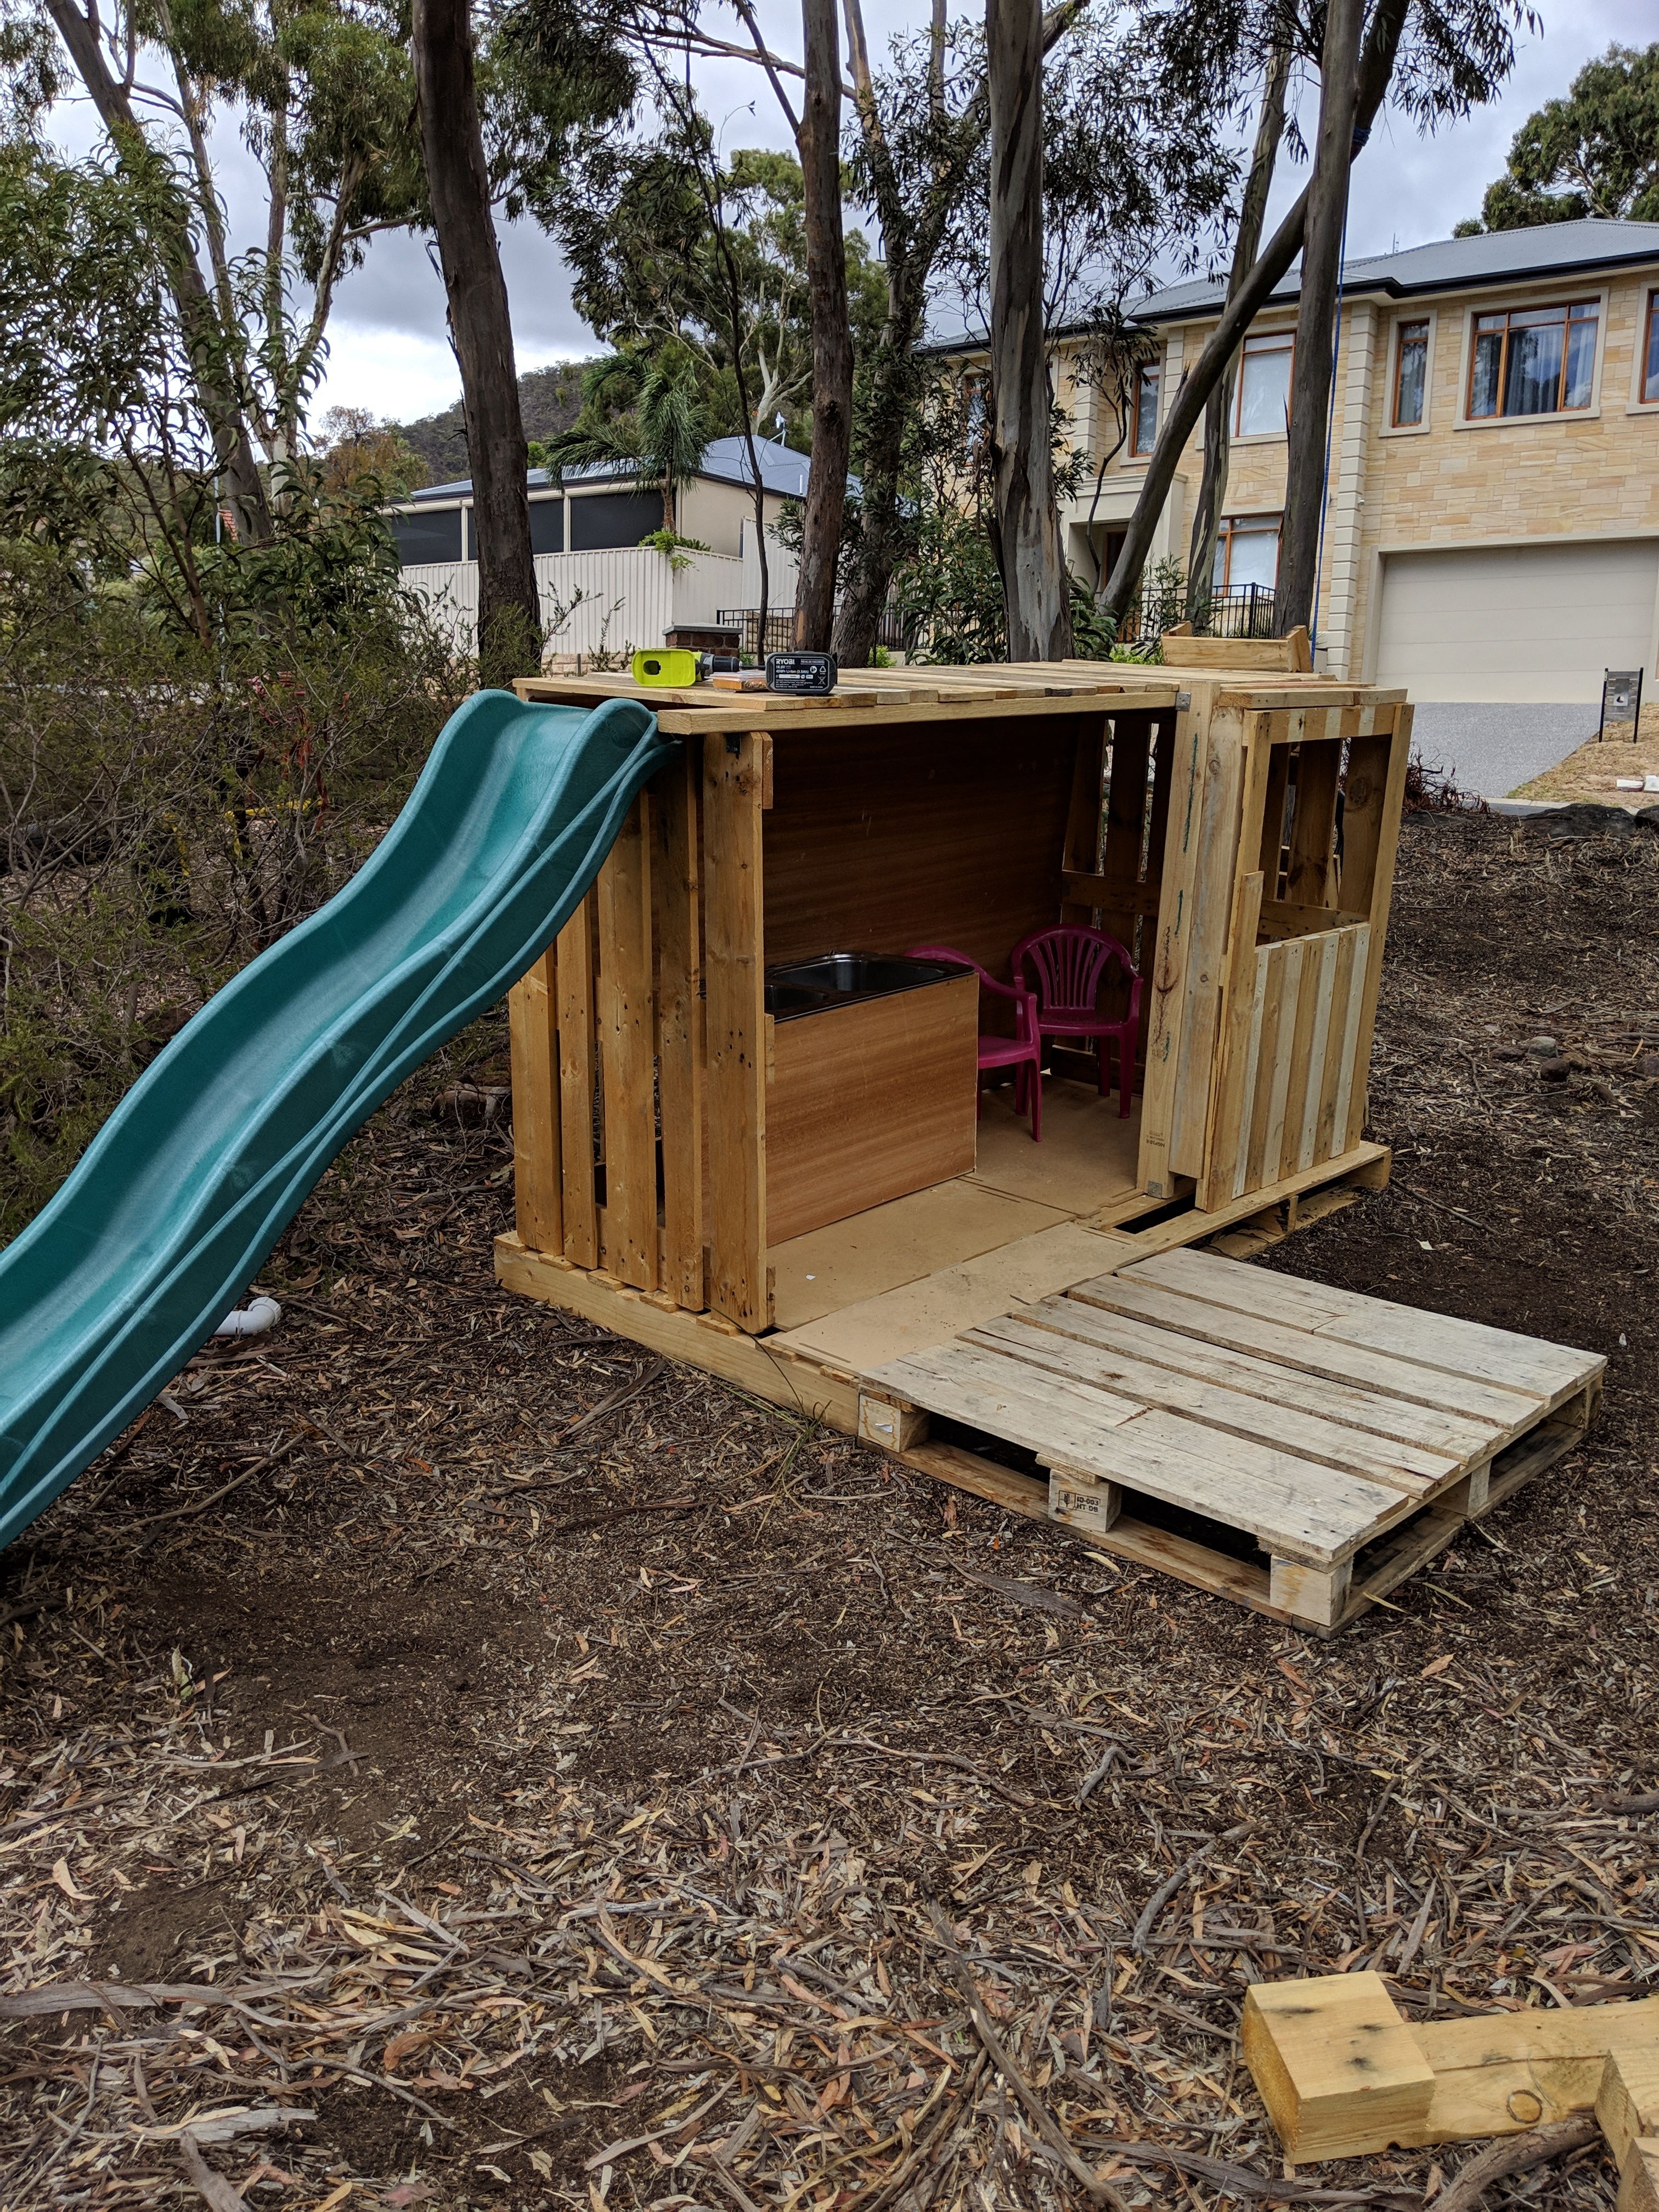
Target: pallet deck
{"points": [[1347, 1438]]}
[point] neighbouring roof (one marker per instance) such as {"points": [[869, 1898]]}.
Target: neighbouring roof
{"points": [[782, 471], [1491, 256], [1446, 264]]}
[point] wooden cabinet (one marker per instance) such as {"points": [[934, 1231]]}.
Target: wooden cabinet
{"points": [[868, 1101]]}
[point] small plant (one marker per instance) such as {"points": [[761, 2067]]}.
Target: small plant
{"points": [[676, 548]]}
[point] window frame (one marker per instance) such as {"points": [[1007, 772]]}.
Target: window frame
{"points": [[1253, 525], [1425, 323], [1260, 342], [1525, 304], [1154, 369], [1647, 330]]}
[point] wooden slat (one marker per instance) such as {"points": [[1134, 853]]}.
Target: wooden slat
{"points": [[627, 1026], [1370, 863], [574, 971], [1284, 998], [1527, 1364], [538, 1171], [1438, 1432], [1338, 1043], [1240, 1025], [1313, 825], [1213, 907], [1166, 972], [1270, 970], [1508, 1411], [1329, 956], [733, 778], [1300, 1043], [1350, 1072], [1252, 1071], [1038, 1338], [1082, 850], [677, 928]]}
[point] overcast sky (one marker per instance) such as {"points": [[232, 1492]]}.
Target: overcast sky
{"points": [[388, 351]]}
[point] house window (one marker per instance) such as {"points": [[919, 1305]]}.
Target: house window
{"points": [[1650, 351], [1264, 386], [606, 519], [1246, 552], [426, 539], [547, 525], [1411, 369], [976, 412], [1145, 426], [1532, 360]]}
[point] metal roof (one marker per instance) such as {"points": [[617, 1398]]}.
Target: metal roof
{"points": [[782, 471], [1446, 264], [1491, 256]]}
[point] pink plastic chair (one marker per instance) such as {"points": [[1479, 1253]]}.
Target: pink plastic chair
{"points": [[1023, 1051], [1064, 970]]}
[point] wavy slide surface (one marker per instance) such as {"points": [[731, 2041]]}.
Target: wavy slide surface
{"points": [[179, 1199]]}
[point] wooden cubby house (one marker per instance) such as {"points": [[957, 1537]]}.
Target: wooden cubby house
{"points": [[806, 1203]]}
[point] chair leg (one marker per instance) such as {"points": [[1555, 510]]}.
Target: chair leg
{"points": [[1036, 1101], [1126, 1075]]}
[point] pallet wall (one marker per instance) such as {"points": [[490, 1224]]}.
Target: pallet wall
{"points": [[639, 1051], [1261, 986]]}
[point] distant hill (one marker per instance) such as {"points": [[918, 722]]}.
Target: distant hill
{"points": [[549, 397]]}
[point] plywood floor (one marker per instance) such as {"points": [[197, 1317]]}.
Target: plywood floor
{"points": [[1017, 1190]]}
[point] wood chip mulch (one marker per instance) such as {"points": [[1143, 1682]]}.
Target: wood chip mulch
{"points": [[450, 1758]]}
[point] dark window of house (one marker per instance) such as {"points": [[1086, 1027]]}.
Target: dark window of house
{"points": [[1145, 430], [1532, 360], [547, 525], [613, 518], [1650, 354], [420, 538], [1411, 367]]}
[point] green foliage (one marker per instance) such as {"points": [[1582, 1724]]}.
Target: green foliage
{"points": [[646, 409], [633, 218], [1595, 153], [166, 810]]}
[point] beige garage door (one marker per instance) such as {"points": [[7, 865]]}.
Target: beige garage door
{"points": [[1520, 623]]}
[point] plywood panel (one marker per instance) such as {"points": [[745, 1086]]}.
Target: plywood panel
{"points": [[896, 1243], [1207, 951], [868, 1101], [954, 835], [1086, 1160]]}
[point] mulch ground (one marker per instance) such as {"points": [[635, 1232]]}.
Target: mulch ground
{"points": [[520, 1772]]}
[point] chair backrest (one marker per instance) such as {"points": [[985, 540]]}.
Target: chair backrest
{"points": [[1065, 966]]}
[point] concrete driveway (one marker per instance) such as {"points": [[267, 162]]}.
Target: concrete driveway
{"points": [[1490, 748]]}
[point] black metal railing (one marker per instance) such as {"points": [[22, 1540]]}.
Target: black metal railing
{"points": [[780, 629], [894, 632], [1237, 611]]}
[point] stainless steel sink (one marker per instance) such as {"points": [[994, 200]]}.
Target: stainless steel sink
{"points": [[841, 979]]}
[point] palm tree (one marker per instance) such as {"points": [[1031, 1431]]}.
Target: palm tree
{"points": [[653, 417]]}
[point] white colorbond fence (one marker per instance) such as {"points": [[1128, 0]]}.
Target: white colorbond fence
{"points": [[612, 602]]}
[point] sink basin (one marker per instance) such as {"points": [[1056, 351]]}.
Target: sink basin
{"points": [[842, 979]]}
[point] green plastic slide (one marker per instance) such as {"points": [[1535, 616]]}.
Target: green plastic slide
{"points": [[179, 1199]]}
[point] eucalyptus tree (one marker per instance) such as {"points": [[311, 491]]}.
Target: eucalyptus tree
{"points": [[1428, 61]]}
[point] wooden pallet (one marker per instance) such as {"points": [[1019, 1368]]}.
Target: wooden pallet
{"points": [[1333, 1442]]}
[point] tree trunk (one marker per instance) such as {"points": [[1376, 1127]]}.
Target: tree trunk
{"points": [[1220, 347], [1219, 411], [1315, 318], [481, 328], [209, 346], [832, 335], [1034, 582]]}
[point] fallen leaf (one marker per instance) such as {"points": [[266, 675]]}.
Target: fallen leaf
{"points": [[1436, 1667]]}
